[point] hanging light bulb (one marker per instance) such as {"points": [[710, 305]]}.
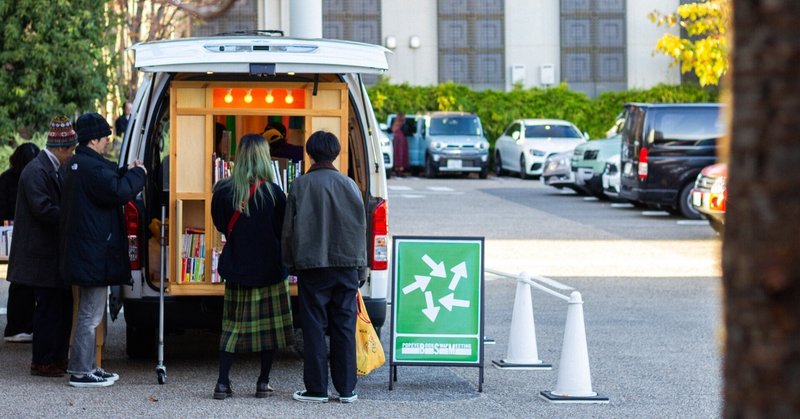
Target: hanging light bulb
{"points": [[289, 98], [229, 96], [249, 96], [269, 98]]}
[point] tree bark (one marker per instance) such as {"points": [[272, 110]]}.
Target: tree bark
{"points": [[761, 260]]}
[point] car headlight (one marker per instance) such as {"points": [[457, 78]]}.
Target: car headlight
{"points": [[718, 186], [483, 145], [438, 145], [537, 153]]}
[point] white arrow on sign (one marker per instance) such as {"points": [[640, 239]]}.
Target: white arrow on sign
{"points": [[449, 301], [436, 269], [430, 311], [459, 271], [420, 282]]}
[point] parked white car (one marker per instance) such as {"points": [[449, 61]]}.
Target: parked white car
{"points": [[526, 144], [610, 177], [387, 149]]}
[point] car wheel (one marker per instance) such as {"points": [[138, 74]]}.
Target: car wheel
{"points": [[484, 172], [523, 174], [685, 203], [430, 171], [388, 173], [498, 164]]}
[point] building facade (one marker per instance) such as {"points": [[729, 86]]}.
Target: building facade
{"points": [[592, 45]]}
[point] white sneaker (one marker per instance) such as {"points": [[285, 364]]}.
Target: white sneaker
{"points": [[20, 338]]}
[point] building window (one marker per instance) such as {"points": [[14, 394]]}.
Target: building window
{"points": [[353, 20], [242, 16], [471, 43], [593, 45]]}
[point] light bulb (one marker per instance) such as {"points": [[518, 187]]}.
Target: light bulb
{"points": [[249, 96], [289, 98], [229, 96], [269, 98]]}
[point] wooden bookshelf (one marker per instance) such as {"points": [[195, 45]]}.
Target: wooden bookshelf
{"points": [[193, 108]]}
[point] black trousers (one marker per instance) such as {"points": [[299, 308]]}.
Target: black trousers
{"points": [[21, 301], [327, 298], [52, 323]]}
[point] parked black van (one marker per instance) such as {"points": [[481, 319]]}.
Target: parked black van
{"points": [[664, 147]]}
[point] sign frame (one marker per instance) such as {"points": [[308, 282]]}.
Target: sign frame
{"points": [[400, 242]]}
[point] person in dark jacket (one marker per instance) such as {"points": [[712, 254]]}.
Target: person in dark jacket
{"points": [[34, 251], [21, 298], [94, 248], [279, 146], [248, 208], [324, 244]]}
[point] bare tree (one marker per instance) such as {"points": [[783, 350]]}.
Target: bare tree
{"points": [[761, 266], [149, 20]]}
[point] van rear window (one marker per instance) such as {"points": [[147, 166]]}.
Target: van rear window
{"points": [[686, 126]]}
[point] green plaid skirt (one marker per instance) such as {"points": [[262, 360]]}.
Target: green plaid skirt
{"points": [[256, 319]]}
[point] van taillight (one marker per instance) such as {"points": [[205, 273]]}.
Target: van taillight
{"points": [[132, 230], [380, 231], [643, 164]]}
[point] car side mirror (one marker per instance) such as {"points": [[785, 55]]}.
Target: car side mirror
{"points": [[586, 135], [515, 135]]}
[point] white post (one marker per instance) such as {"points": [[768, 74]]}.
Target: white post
{"points": [[305, 19]]}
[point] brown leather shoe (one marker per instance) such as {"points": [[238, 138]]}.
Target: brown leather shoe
{"points": [[47, 370]]}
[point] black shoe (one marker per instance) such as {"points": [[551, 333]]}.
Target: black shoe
{"points": [[222, 391], [88, 380], [348, 398], [263, 390]]}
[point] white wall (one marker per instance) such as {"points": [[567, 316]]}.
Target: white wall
{"points": [[402, 20], [645, 69], [532, 38]]}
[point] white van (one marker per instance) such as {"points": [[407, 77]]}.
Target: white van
{"points": [[197, 97]]}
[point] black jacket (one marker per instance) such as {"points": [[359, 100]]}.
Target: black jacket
{"points": [[34, 248], [94, 246], [252, 255], [8, 193], [325, 223]]}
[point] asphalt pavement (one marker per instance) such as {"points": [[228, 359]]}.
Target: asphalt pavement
{"points": [[652, 329]]}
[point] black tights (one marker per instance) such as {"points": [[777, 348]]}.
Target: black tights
{"points": [[226, 361]]}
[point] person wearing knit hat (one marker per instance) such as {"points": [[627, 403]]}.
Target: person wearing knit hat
{"points": [[93, 244], [36, 227]]}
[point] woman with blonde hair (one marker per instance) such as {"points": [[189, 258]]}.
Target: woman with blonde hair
{"points": [[248, 208]]}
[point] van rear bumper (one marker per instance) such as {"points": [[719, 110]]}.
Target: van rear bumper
{"points": [[661, 198]]}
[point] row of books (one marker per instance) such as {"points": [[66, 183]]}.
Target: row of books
{"points": [[193, 250], [5, 241], [222, 169], [286, 175]]}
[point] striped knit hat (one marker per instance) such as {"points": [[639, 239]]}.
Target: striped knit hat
{"points": [[61, 133]]}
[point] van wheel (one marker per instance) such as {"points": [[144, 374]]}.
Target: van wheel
{"points": [[498, 164], [430, 170], [484, 172], [140, 344], [685, 203], [523, 174]]}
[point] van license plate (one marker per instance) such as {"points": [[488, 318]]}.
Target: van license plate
{"points": [[454, 164]]}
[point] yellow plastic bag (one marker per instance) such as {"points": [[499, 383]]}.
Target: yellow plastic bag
{"points": [[369, 352]]}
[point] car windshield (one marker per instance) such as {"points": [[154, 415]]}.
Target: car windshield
{"points": [[551, 131], [455, 125]]}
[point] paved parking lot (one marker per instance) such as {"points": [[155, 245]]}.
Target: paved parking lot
{"points": [[652, 324]]}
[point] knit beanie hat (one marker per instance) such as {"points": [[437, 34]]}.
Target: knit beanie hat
{"points": [[61, 133], [92, 126]]}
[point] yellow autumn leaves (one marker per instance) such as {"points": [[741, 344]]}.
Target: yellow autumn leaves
{"points": [[705, 50]]}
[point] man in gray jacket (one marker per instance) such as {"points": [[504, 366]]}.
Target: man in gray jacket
{"points": [[324, 244], [34, 250]]}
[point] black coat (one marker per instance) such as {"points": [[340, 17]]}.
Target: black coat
{"points": [[94, 245], [34, 246], [8, 193], [252, 255]]}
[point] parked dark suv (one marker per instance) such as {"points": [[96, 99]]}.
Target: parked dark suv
{"points": [[664, 147]]}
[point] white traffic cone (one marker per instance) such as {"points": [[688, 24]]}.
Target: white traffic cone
{"points": [[574, 379], [522, 353]]}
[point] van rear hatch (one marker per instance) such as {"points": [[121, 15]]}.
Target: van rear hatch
{"points": [[260, 55]]}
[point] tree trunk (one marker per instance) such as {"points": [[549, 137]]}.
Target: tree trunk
{"points": [[761, 250]]}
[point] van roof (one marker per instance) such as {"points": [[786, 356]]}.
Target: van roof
{"points": [[235, 54]]}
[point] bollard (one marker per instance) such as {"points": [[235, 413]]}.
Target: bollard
{"points": [[522, 354], [574, 383]]}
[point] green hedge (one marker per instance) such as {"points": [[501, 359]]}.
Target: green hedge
{"points": [[497, 109]]}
